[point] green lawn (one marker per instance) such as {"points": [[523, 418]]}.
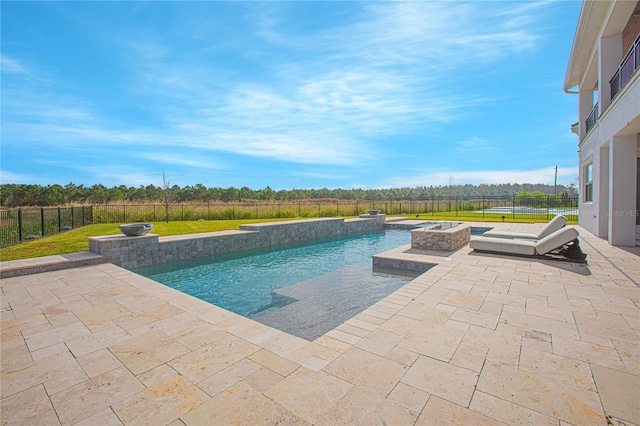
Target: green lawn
{"points": [[76, 240]]}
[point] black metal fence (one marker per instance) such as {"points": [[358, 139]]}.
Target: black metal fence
{"points": [[18, 225]]}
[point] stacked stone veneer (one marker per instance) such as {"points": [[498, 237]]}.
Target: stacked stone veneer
{"points": [[441, 240], [401, 265], [134, 252]]}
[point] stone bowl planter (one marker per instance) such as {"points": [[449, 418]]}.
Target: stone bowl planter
{"points": [[135, 229], [373, 212]]}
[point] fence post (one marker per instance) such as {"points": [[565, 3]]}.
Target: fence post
{"points": [[73, 225], [59, 221], [513, 207], [42, 220], [20, 225], [548, 206], [483, 206]]}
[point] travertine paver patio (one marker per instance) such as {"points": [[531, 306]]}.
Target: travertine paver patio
{"points": [[478, 339]]}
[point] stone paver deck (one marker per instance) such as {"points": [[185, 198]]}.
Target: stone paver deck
{"points": [[477, 339]]}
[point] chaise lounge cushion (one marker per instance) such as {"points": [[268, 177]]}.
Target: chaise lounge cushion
{"points": [[556, 240], [503, 245], [554, 224], [525, 247]]}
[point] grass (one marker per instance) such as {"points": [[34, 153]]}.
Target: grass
{"points": [[77, 240]]}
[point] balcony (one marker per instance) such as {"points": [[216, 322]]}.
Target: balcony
{"points": [[628, 66], [593, 117]]}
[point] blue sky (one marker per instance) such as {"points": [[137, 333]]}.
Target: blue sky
{"points": [[302, 94]]}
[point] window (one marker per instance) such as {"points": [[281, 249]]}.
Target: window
{"points": [[588, 183]]}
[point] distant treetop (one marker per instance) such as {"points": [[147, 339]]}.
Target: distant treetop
{"points": [[14, 195]]}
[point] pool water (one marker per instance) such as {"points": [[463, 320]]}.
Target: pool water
{"points": [[305, 290]]}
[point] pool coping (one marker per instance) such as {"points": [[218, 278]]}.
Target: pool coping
{"points": [[15, 268]]}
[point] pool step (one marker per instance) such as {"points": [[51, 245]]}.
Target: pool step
{"points": [[326, 301]]}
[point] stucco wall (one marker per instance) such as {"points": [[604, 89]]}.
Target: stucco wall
{"points": [[612, 147]]}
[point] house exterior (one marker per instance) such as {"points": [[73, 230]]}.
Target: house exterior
{"points": [[604, 71]]}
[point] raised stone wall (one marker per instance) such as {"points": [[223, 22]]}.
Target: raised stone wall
{"points": [[441, 240], [37, 265], [134, 252]]}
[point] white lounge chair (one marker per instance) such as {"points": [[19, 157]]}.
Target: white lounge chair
{"points": [[554, 224], [560, 245]]}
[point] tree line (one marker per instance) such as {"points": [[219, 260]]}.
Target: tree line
{"points": [[16, 195]]}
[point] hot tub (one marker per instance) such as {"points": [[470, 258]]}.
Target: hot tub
{"points": [[443, 236]]}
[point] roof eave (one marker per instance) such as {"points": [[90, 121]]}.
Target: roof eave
{"points": [[583, 42]]}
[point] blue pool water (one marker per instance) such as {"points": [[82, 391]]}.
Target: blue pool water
{"points": [[304, 290]]}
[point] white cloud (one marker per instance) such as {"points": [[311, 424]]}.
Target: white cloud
{"points": [[326, 98], [113, 173], [299, 147], [12, 66], [473, 144], [323, 176], [323, 108], [181, 160], [525, 6], [429, 35], [544, 175], [11, 177]]}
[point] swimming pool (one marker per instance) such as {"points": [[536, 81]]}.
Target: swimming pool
{"points": [[305, 290]]}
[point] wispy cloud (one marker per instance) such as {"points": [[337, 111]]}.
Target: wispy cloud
{"points": [[339, 175], [11, 177], [430, 35], [473, 144], [300, 147], [338, 94], [317, 111], [323, 108], [12, 66], [181, 160], [475, 177], [113, 172]]}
